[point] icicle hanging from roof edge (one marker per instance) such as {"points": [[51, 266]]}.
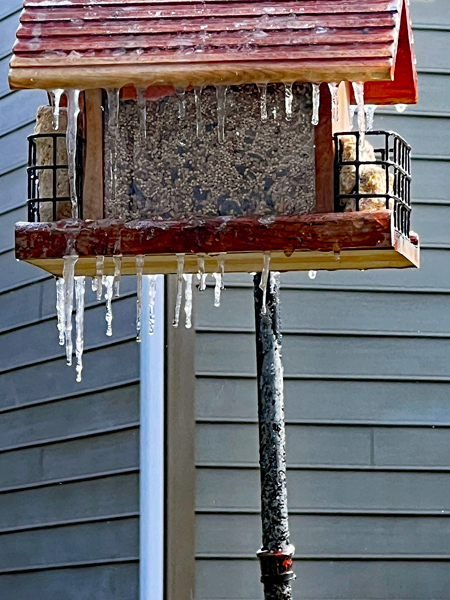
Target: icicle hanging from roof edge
{"points": [[358, 89], [60, 313], [142, 108], [288, 101], [113, 96], [73, 111], [264, 278], [221, 95], [334, 91], [97, 283], [198, 111], [188, 299], [139, 261], [109, 285], [68, 276], [316, 103], [201, 275], [57, 94], [180, 272], [262, 89], [152, 281], [117, 259], [80, 289]]}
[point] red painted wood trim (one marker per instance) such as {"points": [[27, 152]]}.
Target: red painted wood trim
{"points": [[325, 232]]}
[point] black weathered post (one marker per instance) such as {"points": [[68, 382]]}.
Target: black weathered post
{"points": [[276, 553]]}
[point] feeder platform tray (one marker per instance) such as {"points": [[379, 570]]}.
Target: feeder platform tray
{"points": [[330, 241]]}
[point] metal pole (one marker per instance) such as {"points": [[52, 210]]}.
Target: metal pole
{"points": [[276, 553]]}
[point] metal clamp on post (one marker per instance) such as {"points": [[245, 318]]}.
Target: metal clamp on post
{"points": [[276, 567]]}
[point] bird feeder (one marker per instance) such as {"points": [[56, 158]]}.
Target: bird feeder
{"points": [[205, 129]]}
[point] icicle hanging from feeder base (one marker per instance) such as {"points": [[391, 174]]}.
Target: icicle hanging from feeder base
{"points": [[358, 89], [288, 100], [140, 260], [198, 111], [181, 95], [370, 115], [316, 103], [117, 274], [109, 284], [73, 110], [262, 88], [180, 270], [201, 275], [152, 279], [334, 90], [97, 283], [142, 108], [312, 274], [80, 288], [221, 95], [60, 299], [68, 276], [400, 108], [188, 299], [219, 278], [57, 95], [264, 278]]}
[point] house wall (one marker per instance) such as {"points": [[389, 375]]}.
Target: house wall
{"points": [[69, 453], [366, 358]]}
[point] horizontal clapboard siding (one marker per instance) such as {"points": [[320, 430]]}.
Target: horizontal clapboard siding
{"points": [[367, 381], [69, 453]]}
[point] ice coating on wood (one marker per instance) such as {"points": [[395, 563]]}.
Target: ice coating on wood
{"points": [[99, 269], [142, 108], [80, 290], [181, 95], [312, 274], [370, 115], [334, 91], [139, 272], [57, 94], [262, 89], [288, 100], [316, 103], [264, 278], [198, 111], [188, 299], [113, 96], [358, 89], [180, 270], [221, 95], [201, 273], [117, 274], [109, 285], [73, 110], [68, 276], [60, 299], [152, 279]]}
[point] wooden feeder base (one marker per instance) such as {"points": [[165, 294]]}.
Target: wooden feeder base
{"points": [[331, 241]]}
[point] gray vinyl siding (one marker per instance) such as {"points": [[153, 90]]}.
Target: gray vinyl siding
{"points": [[69, 453], [367, 386]]}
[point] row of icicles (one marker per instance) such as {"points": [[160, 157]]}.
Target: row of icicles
{"points": [[365, 118]]}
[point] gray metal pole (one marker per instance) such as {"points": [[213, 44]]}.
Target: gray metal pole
{"points": [[276, 553]]}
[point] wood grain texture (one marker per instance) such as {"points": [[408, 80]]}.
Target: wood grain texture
{"points": [[93, 170]]}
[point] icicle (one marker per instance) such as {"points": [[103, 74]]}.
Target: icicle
{"points": [[68, 276], [188, 300], [221, 95], [99, 269], [80, 288], [370, 115], [140, 259], [400, 108], [60, 295], [180, 269], [312, 274], [316, 103], [73, 110], [334, 90], [57, 94], [264, 279], [142, 108], [358, 89], [198, 110], [152, 279], [94, 284], [181, 95], [113, 96], [109, 284], [262, 88], [217, 288], [288, 99], [201, 275], [117, 274]]}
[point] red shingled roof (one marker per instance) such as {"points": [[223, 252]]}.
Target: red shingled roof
{"points": [[100, 43]]}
